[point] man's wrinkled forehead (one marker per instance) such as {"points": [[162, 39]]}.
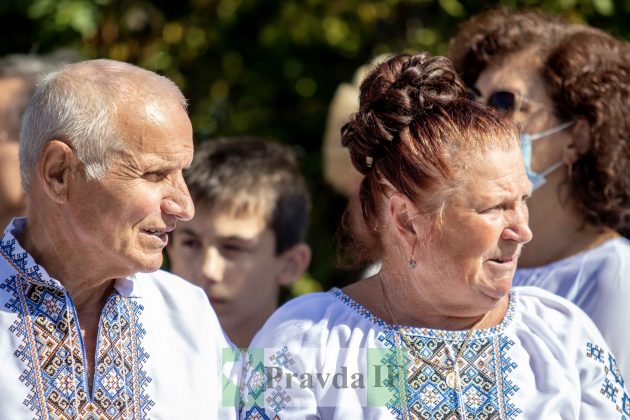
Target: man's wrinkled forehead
{"points": [[140, 121]]}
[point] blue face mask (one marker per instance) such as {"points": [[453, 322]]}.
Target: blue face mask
{"points": [[538, 178]]}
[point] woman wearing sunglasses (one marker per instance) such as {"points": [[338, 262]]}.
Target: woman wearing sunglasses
{"points": [[568, 88]]}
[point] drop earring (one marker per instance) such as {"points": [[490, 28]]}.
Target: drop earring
{"points": [[412, 262]]}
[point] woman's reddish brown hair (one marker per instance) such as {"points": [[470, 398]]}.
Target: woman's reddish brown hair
{"points": [[413, 133]]}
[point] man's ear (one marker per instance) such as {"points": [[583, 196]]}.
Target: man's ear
{"points": [[294, 262], [55, 167], [581, 141]]}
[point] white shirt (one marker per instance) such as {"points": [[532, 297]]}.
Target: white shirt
{"points": [[171, 345], [598, 281], [324, 356]]}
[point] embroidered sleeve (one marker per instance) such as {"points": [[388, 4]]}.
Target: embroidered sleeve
{"points": [[606, 382], [271, 387]]}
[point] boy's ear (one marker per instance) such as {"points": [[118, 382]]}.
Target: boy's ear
{"points": [[294, 262]]}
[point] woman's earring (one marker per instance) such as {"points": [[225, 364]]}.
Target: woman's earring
{"points": [[412, 262]]}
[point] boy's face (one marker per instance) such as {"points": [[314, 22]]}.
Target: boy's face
{"points": [[233, 259]]}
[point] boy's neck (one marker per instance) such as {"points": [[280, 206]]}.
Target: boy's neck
{"points": [[242, 333]]}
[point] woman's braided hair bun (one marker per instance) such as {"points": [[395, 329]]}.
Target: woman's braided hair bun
{"points": [[394, 96], [414, 133]]}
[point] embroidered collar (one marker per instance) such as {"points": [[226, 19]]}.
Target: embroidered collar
{"points": [[23, 263], [428, 332]]}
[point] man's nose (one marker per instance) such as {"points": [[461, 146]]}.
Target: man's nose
{"points": [[178, 201]]}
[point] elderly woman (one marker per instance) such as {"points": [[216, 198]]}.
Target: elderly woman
{"points": [[568, 88], [438, 332]]}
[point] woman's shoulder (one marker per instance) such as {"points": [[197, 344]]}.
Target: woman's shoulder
{"points": [[600, 274], [611, 257], [619, 252], [541, 310], [538, 301], [307, 319]]}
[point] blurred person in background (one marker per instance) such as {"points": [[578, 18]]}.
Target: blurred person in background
{"points": [[246, 240], [337, 166], [19, 73], [568, 88]]}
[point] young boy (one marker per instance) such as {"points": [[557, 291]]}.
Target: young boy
{"points": [[247, 237]]}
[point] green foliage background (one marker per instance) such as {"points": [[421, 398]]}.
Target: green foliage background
{"points": [[266, 67]]}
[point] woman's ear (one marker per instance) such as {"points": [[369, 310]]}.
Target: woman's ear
{"points": [[402, 212], [295, 261], [580, 143]]}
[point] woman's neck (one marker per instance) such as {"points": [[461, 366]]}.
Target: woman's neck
{"points": [[564, 245], [402, 311], [558, 226]]}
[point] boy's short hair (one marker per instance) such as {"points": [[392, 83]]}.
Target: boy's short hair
{"points": [[250, 176]]}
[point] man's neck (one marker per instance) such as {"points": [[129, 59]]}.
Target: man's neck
{"points": [[51, 249]]}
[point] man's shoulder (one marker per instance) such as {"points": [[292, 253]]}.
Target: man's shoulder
{"points": [[172, 293], [169, 297], [164, 282]]}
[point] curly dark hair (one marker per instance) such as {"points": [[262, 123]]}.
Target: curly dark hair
{"points": [[414, 130], [587, 75]]}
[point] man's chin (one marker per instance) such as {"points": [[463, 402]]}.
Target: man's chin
{"points": [[149, 264]]}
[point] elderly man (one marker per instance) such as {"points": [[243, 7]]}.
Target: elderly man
{"points": [[89, 328]]}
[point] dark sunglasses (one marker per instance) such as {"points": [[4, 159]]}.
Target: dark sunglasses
{"points": [[503, 101]]}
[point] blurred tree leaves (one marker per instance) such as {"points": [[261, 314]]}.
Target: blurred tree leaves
{"points": [[265, 67]]}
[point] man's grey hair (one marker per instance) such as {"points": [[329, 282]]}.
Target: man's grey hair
{"points": [[79, 105]]}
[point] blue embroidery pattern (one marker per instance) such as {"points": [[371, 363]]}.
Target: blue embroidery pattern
{"points": [[484, 369], [257, 413], [255, 381], [485, 389], [282, 358], [51, 348], [594, 352], [279, 397], [613, 385]]}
